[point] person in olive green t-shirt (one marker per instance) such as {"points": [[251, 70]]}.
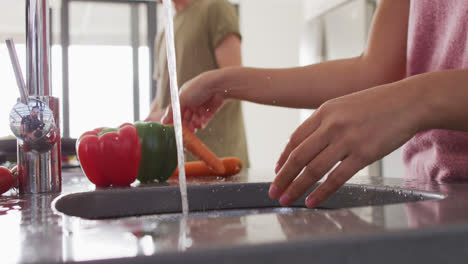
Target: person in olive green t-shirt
{"points": [[207, 37]]}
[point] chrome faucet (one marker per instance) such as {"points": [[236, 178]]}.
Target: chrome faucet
{"points": [[39, 158]]}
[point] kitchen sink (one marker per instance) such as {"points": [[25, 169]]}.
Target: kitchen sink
{"points": [[136, 201]]}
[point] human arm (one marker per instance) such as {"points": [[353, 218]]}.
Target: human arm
{"points": [[228, 52], [355, 130], [155, 115], [383, 61], [156, 112], [23, 128]]}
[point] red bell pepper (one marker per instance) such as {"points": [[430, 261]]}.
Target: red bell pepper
{"points": [[110, 156]]}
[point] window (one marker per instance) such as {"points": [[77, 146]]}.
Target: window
{"points": [[100, 65]]}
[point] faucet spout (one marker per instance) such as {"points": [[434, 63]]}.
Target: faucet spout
{"points": [[38, 47], [39, 151]]}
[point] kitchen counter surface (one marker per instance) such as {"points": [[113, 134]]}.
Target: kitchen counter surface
{"points": [[433, 231]]}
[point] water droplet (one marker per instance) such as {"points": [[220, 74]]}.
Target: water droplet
{"points": [[207, 109], [274, 101], [225, 91]]}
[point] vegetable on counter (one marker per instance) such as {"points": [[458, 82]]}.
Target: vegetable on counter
{"points": [[202, 152], [15, 174], [6, 179], [110, 156], [232, 167], [158, 151]]}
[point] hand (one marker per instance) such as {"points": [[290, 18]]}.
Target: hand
{"points": [[155, 116], [348, 132], [199, 101]]}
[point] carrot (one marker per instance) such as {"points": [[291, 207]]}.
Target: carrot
{"points": [[232, 165], [201, 151]]}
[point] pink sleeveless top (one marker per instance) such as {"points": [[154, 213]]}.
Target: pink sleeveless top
{"points": [[437, 40]]}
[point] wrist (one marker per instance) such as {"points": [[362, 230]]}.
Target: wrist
{"points": [[224, 81], [418, 105]]}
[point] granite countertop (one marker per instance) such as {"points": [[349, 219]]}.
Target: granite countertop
{"points": [[432, 231]]}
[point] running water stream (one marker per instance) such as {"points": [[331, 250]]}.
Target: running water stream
{"points": [[171, 64]]}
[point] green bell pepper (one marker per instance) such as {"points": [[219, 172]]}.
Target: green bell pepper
{"points": [[158, 151]]}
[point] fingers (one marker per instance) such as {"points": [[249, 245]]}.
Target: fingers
{"points": [[347, 168], [155, 116], [296, 161], [186, 115], [190, 119], [196, 117], [299, 135], [201, 112], [312, 173], [209, 109], [167, 119]]}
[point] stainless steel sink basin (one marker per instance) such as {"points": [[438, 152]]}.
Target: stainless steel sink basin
{"points": [[124, 202]]}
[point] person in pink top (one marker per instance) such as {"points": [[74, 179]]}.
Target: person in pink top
{"points": [[410, 85]]}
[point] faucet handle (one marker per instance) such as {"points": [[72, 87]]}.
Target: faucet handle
{"points": [[17, 69]]}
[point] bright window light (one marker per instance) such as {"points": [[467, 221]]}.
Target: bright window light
{"points": [[100, 85]]}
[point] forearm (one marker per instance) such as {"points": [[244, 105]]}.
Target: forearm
{"points": [[154, 106], [156, 112], [383, 61], [439, 98], [302, 87]]}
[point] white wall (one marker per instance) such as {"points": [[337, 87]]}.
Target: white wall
{"points": [[270, 41], [346, 30], [392, 165]]}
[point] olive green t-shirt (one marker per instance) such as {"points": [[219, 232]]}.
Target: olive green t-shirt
{"points": [[198, 29]]}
